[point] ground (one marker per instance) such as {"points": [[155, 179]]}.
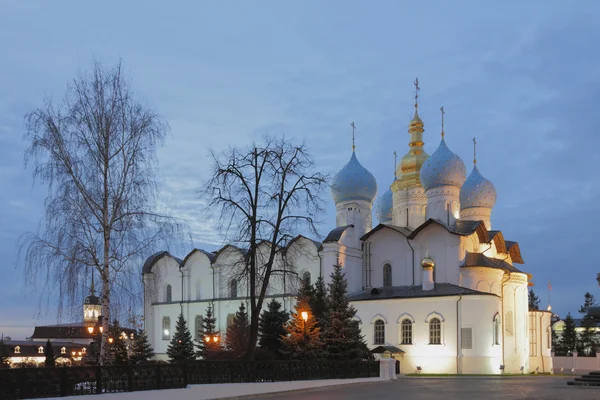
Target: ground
{"points": [[454, 388]]}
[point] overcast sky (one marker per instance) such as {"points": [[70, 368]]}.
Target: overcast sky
{"points": [[521, 76]]}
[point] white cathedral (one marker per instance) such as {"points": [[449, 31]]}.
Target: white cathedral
{"points": [[433, 285]]}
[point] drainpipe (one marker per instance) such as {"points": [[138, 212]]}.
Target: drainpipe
{"points": [[458, 339], [181, 302], [504, 280], [413, 260], [541, 342]]}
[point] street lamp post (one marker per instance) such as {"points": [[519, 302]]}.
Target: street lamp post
{"points": [[304, 315]]}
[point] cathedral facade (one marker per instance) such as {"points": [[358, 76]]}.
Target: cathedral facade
{"points": [[433, 284]]}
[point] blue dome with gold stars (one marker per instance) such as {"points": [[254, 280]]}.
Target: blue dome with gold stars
{"points": [[353, 182], [477, 191], [383, 207], [443, 168]]}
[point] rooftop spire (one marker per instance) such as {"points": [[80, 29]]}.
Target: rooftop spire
{"points": [[395, 164], [353, 128], [417, 93], [474, 151], [443, 112], [92, 289]]}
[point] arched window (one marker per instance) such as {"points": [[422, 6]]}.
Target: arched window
{"points": [[17, 349], [387, 275], [84, 350], [198, 289], [497, 330], [435, 331], [379, 337], [407, 331], [169, 294], [233, 288], [198, 329], [166, 324], [306, 279], [63, 350], [40, 350]]}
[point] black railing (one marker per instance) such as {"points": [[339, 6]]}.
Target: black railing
{"points": [[30, 383]]}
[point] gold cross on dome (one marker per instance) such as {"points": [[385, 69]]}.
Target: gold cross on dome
{"points": [[353, 128]]}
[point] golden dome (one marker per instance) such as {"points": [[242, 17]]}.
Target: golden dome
{"points": [[428, 262]]}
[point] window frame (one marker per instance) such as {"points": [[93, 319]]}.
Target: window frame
{"points": [[233, 289], [198, 329], [17, 350], [379, 332], [41, 350], [496, 331], [435, 331], [166, 325], [387, 275], [306, 279], [406, 331], [168, 293]]}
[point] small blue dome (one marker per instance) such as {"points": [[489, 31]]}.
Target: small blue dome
{"points": [[443, 168], [383, 207], [477, 191], [353, 182]]}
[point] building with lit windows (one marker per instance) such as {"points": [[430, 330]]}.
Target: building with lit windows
{"points": [[434, 285]]}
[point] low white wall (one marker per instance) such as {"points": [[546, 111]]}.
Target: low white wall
{"points": [[576, 365]]}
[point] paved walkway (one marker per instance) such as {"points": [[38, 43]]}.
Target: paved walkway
{"points": [[455, 388], [228, 390]]}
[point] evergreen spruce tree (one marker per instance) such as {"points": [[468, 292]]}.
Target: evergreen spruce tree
{"points": [[534, 300], [272, 328], [50, 361], [181, 347], [588, 343], [302, 340], [237, 336], [117, 350], [207, 347], [318, 302], [568, 341], [341, 336], [142, 350]]}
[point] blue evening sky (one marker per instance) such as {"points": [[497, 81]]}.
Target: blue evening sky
{"points": [[521, 76]]}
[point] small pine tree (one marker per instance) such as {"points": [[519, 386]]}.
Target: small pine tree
{"points": [[318, 302], [302, 339], [342, 336], [237, 337], [142, 350], [50, 361], [272, 327], [4, 363], [181, 347], [568, 340], [118, 348], [534, 300], [207, 347], [588, 342]]}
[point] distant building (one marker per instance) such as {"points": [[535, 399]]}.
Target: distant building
{"points": [[433, 285], [30, 352]]}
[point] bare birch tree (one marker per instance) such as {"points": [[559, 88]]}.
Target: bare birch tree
{"points": [[267, 192], [96, 151]]}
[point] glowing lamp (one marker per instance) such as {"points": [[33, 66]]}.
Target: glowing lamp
{"points": [[215, 339], [90, 329], [166, 332], [549, 307], [110, 340], [73, 353], [207, 339], [79, 353], [101, 329], [304, 315]]}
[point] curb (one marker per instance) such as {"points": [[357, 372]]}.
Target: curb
{"points": [[309, 389]]}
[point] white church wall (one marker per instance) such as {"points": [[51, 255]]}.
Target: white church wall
{"points": [[444, 247], [515, 323], [482, 279], [200, 282], [540, 341], [389, 247], [302, 257]]}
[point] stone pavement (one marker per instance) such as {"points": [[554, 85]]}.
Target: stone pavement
{"points": [[454, 388], [229, 390]]}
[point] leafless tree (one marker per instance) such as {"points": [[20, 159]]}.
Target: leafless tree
{"points": [[264, 193], [96, 151]]}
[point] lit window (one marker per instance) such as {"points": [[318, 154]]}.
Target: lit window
{"points": [[83, 350], [306, 279], [435, 331], [63, 350], [387, 275], [466, 338], [169, 294], [407, 331], [532, 335], [166, 334], [233, 288], [17, 349], [198, 329], [40, 350], [379, 337], [497, 330]]}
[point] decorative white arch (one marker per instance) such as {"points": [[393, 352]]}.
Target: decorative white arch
{"points": [[405, 316], [434, 314], [379, 316], [497, 315], [483, 286]]}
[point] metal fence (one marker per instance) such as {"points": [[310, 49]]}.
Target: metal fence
{"points": [[30, 383]]}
